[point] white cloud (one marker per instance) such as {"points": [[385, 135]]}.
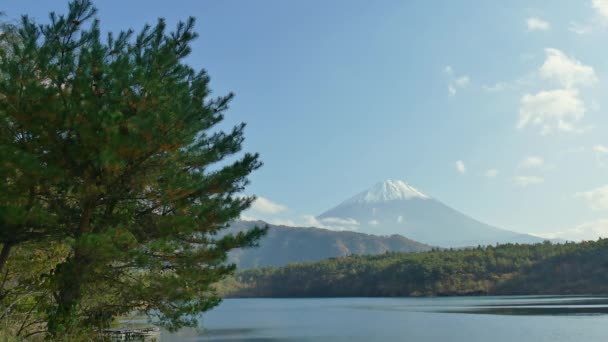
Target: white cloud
{"points": [[451, 90], [271, 220], [579, 28], [523, 81], [246, 217], [339, 221], [491, 173], [525, 181], [264, 209], [558, 109], [496, 87], [601, 155], [460, 167], [263, 205], [600, 149], [400, 219], [333, 223], [597, 22], [374, 222], [537, 24], [587, 231], [531, 162], [456, 82], [596, 198], [282, 222], [462, 81], [601, 7], [567, 71], [577, 149]]}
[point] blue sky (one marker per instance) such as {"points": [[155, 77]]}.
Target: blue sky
{"points": [[494, 108]]}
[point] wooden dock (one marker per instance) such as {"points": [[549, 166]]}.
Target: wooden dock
{"points": [[148, 334]]}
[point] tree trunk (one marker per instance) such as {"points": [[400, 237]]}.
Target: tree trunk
{"points": [[69, 282], [69, 279], [6, 250]]}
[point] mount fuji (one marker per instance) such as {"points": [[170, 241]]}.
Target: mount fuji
{"points": [[395, 207]]}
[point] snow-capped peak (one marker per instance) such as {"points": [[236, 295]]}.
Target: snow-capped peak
{"points": [[389, 190]]}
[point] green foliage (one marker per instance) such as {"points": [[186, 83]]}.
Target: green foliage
{"points": [[109, 149], [570, 268], [26, 290]]}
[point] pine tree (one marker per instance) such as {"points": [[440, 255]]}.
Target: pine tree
{"points": [[110, 146]]}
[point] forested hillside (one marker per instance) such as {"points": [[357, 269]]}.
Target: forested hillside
{"points": [[545, 268], [283, 245]]}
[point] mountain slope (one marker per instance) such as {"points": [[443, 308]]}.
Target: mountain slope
{"points": [[394, 207], [283, 245]]}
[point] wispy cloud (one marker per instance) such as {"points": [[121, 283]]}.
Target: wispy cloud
{"points": [[333, 223], [496, 87], [571, 150], [600, 149], [515, 84], [525, 181], [455, 82], [491, 173], [531, 162], [265, 206], [270, 212], [537, 24], [579, 28], [594, 23], [597, 198], [587, 231], [460, 167], [601, 155]]}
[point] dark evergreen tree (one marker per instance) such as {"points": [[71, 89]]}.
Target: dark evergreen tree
{"points": [[18, 207], [110, 147]]}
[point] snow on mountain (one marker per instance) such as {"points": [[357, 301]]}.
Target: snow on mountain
{"points": [[395, 207], [389, 190]]}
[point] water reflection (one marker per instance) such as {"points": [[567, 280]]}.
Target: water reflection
{"points": [[471, 319], [540, 306]]}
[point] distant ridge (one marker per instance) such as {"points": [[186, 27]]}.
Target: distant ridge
{"points": [[283, 245], [395, 207]]}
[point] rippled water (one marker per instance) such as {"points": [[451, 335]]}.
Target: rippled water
{"points": [[493, 319]]}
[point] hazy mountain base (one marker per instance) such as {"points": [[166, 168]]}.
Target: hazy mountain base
{"points": [[570, 268], [426, 220], [283, 245]]}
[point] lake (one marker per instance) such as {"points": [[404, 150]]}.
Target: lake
{"points": [[509, 318]]}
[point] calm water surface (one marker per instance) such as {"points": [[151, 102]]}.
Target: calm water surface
{"points": [[471, 319]]}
